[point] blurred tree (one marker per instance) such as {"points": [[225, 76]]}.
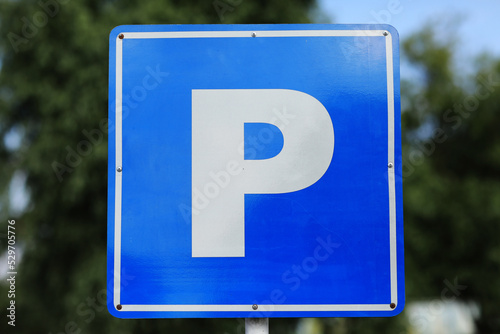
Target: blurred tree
{"points": [[452, 178], [53, 86]]}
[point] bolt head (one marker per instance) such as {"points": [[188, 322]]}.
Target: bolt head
{"points": [[390, 165], [393, 306], [121, 36], [118, 307], [118, 169], [254, 306], [386, 33], [254, 34]]}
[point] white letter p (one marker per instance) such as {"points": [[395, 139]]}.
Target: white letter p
{"points": [[218, 118]]}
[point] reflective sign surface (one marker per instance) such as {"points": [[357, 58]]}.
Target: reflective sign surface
{"points": [[254, 171]]}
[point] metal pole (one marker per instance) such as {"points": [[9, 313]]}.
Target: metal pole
{"points": [[256, 325]]}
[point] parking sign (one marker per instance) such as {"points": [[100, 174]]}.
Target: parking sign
{"points": [[254, 171]]}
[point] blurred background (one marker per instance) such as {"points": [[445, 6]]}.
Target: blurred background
{"points": [[53, 92]]}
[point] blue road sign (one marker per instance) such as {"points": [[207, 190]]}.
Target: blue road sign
{"points": [[254, 171]]}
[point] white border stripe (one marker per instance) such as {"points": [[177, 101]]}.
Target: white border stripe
{"points": [[391, 176], [262, 33], [390, 172], [118, 176], [262, 308]]}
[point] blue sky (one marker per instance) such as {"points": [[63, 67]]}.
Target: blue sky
{"points": [[478, 26]]}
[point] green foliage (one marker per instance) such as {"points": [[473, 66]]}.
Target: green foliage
{"points": [[452, 179]]}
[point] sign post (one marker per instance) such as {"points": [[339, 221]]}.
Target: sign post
{"points": [[257, 325], [254, 171]]}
